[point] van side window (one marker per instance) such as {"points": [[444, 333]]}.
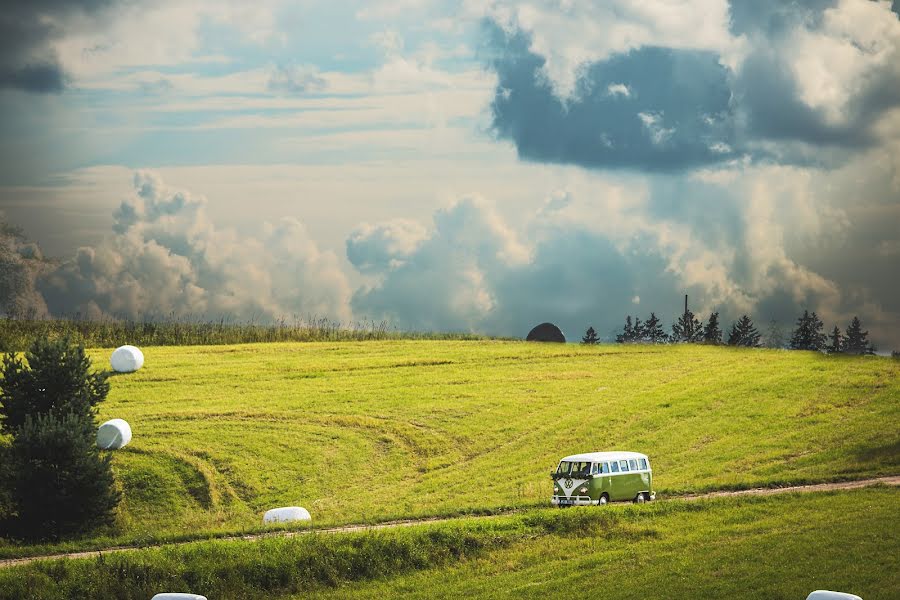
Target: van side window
{"points": [[615, 466], [623, 464], [632, 464], [604, 467], [644, 463]]}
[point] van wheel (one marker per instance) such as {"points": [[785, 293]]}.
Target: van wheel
{"points": [[640, 498], [604, 499]]}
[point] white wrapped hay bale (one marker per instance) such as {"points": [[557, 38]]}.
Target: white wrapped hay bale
{"points": [[829, 595], [113, 434], [285, 514], [177, 596], [126, 359]]}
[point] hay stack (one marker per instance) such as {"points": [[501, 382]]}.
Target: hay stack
{"points": [[285, 514], [177, 596], [113, 434], [126, 359]]}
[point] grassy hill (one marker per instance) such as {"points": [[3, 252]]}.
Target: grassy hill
{"points": [[370, 431]]}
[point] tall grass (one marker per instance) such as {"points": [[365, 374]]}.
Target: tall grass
{"points": [[17, 334]]}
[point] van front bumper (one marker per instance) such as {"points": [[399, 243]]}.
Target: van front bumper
{"points": [[572, 501]]}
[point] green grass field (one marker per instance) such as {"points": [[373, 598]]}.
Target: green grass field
{"points": [[748, 547], [372, 431]]}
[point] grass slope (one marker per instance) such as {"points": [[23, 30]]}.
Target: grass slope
{"points": [[379, 430], [769, 549], [764, 547]]}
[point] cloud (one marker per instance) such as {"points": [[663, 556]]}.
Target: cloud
{"points": [[28, 60], [21, 262], [792, 82], [295, 79], [650, 108], [166, 257]]}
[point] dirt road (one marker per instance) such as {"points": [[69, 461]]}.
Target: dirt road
{"points": [[819, 487]]}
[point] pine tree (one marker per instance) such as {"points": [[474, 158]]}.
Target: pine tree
{"points": [[54, 378], [58, 482], [808, 335], [774, 337], [590, 336], [639, 330], [627, 334], [836, 344], [61, 485], [857, 340], [711, 333], [653, 331], [687, 328], [743, 333]]}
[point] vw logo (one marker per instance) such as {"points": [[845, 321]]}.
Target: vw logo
{"points": [[569, 483]]}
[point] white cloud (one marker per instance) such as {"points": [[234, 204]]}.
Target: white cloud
{"points": [[166, 257]]}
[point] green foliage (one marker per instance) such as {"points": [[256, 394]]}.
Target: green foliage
{"points": [[590, 336], [808, 333], [18, 334], [744, 333], [60, 484], [55, 378]]}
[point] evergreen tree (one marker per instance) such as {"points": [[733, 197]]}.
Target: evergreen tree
{"points": [[590, 336], [653, 331], [774, 337], [808, 335], [61, 485], [639, 330], [687, 328], [56, 480], [711, 333], [627, 334], [54, 378], [836, 344], [857, 340], [744, 333]]}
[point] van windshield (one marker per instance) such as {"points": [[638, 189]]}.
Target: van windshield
{"points": [[574, 468]]}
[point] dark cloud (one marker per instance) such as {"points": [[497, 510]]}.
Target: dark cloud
{"points": [[652, 108], [27, 30], [666, 109]]}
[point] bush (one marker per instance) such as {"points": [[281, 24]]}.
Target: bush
{"points": [[54, 378], [60, 483]]}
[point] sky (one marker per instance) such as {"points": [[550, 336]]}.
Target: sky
{"points": [[453, 165]]}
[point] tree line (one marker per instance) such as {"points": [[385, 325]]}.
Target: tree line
{"points": [[808, 334]]}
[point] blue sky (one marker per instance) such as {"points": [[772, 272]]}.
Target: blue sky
{"points": [[454, 165]]}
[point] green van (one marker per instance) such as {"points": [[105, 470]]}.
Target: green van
{"points": [[601, 477]]}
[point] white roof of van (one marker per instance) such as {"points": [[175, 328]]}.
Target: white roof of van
{"points": [[603, 456]]}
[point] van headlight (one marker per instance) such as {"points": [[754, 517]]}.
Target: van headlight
{"points": [[583, 490], [555, 489]]}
